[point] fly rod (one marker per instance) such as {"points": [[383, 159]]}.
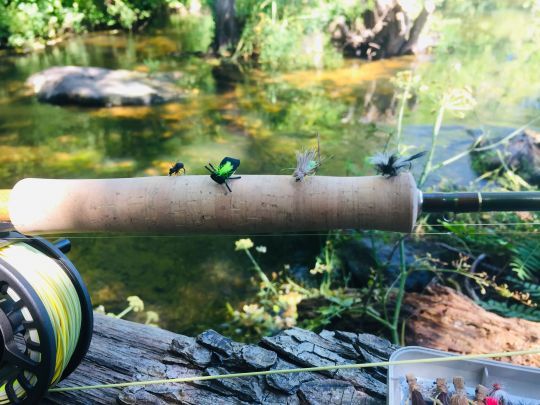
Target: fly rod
{"points": [[257, 204]]}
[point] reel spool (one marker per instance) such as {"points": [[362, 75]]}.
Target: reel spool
{"points": [[46, 317]]}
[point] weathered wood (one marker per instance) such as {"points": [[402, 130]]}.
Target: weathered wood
{"points": [[447, 320], [125, 351], [118, 349]]}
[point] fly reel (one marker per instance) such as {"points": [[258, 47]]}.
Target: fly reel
{"points": [[46, 318]]}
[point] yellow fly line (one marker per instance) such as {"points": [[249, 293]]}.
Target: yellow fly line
{"points": [[302, 370], [58, 295]]}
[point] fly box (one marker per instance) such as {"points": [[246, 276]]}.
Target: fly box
{"points": [[518, 385]]}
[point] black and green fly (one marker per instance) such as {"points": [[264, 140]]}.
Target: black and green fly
{"points": [[224, 172]]}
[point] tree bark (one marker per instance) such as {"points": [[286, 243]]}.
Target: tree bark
{"points": [[388, 30], [447, 320], [226, 25], [124, 351]]}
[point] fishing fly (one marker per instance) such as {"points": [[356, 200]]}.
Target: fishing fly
{"points": [[224, 172], [308, 162], [390, 165], [176, 168]]}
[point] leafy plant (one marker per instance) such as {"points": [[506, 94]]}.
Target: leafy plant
{"points": [[26, 24], [526, 261], [532, 289], [525, 264], [456, 100], [195, 32], [288, 36], [275, 305], [136, 305], [152, 65], [514, 310]]}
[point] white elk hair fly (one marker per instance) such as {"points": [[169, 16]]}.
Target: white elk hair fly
{"points": [[307, 162]]}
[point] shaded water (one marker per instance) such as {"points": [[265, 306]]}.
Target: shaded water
{"points": [[261, 120]]}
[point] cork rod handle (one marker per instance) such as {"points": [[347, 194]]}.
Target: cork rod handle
{"points": [[196, 204]]}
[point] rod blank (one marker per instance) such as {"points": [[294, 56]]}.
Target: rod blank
{"points": [[481, 202]]}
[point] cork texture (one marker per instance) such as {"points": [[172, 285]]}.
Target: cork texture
{"points": [[196, 204]]}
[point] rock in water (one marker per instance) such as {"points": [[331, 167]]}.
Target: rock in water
{"points": [[99, 87]]}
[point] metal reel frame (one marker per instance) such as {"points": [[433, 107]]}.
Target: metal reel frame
{"points": [[16, 331]]}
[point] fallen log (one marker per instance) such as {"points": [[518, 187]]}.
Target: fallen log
{"points": [[444, 319], [124, 351]]}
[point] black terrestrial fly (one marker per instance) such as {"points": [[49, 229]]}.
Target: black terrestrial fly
{"points": [[176, 168], [390, 165]]}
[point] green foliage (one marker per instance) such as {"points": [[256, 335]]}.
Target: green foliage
{"points": [[326, 268], [287, 45], [28, 23], [123, 13], [525, 264], [514, 310], [22, 23], [152, 65], [335, 306], [530, 288], [275, 305], [195, 32], [120, 12], [288, 35], [526, 261], [486, 46]]}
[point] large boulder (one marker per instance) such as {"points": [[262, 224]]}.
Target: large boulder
{"points": [[99, 87]]}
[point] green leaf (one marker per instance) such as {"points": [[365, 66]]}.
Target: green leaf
{"points": [[526, 261], [512, 311]]}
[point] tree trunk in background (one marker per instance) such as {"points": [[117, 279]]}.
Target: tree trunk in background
{"points": [[386, 31], [447, 320], [226, 25]]}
